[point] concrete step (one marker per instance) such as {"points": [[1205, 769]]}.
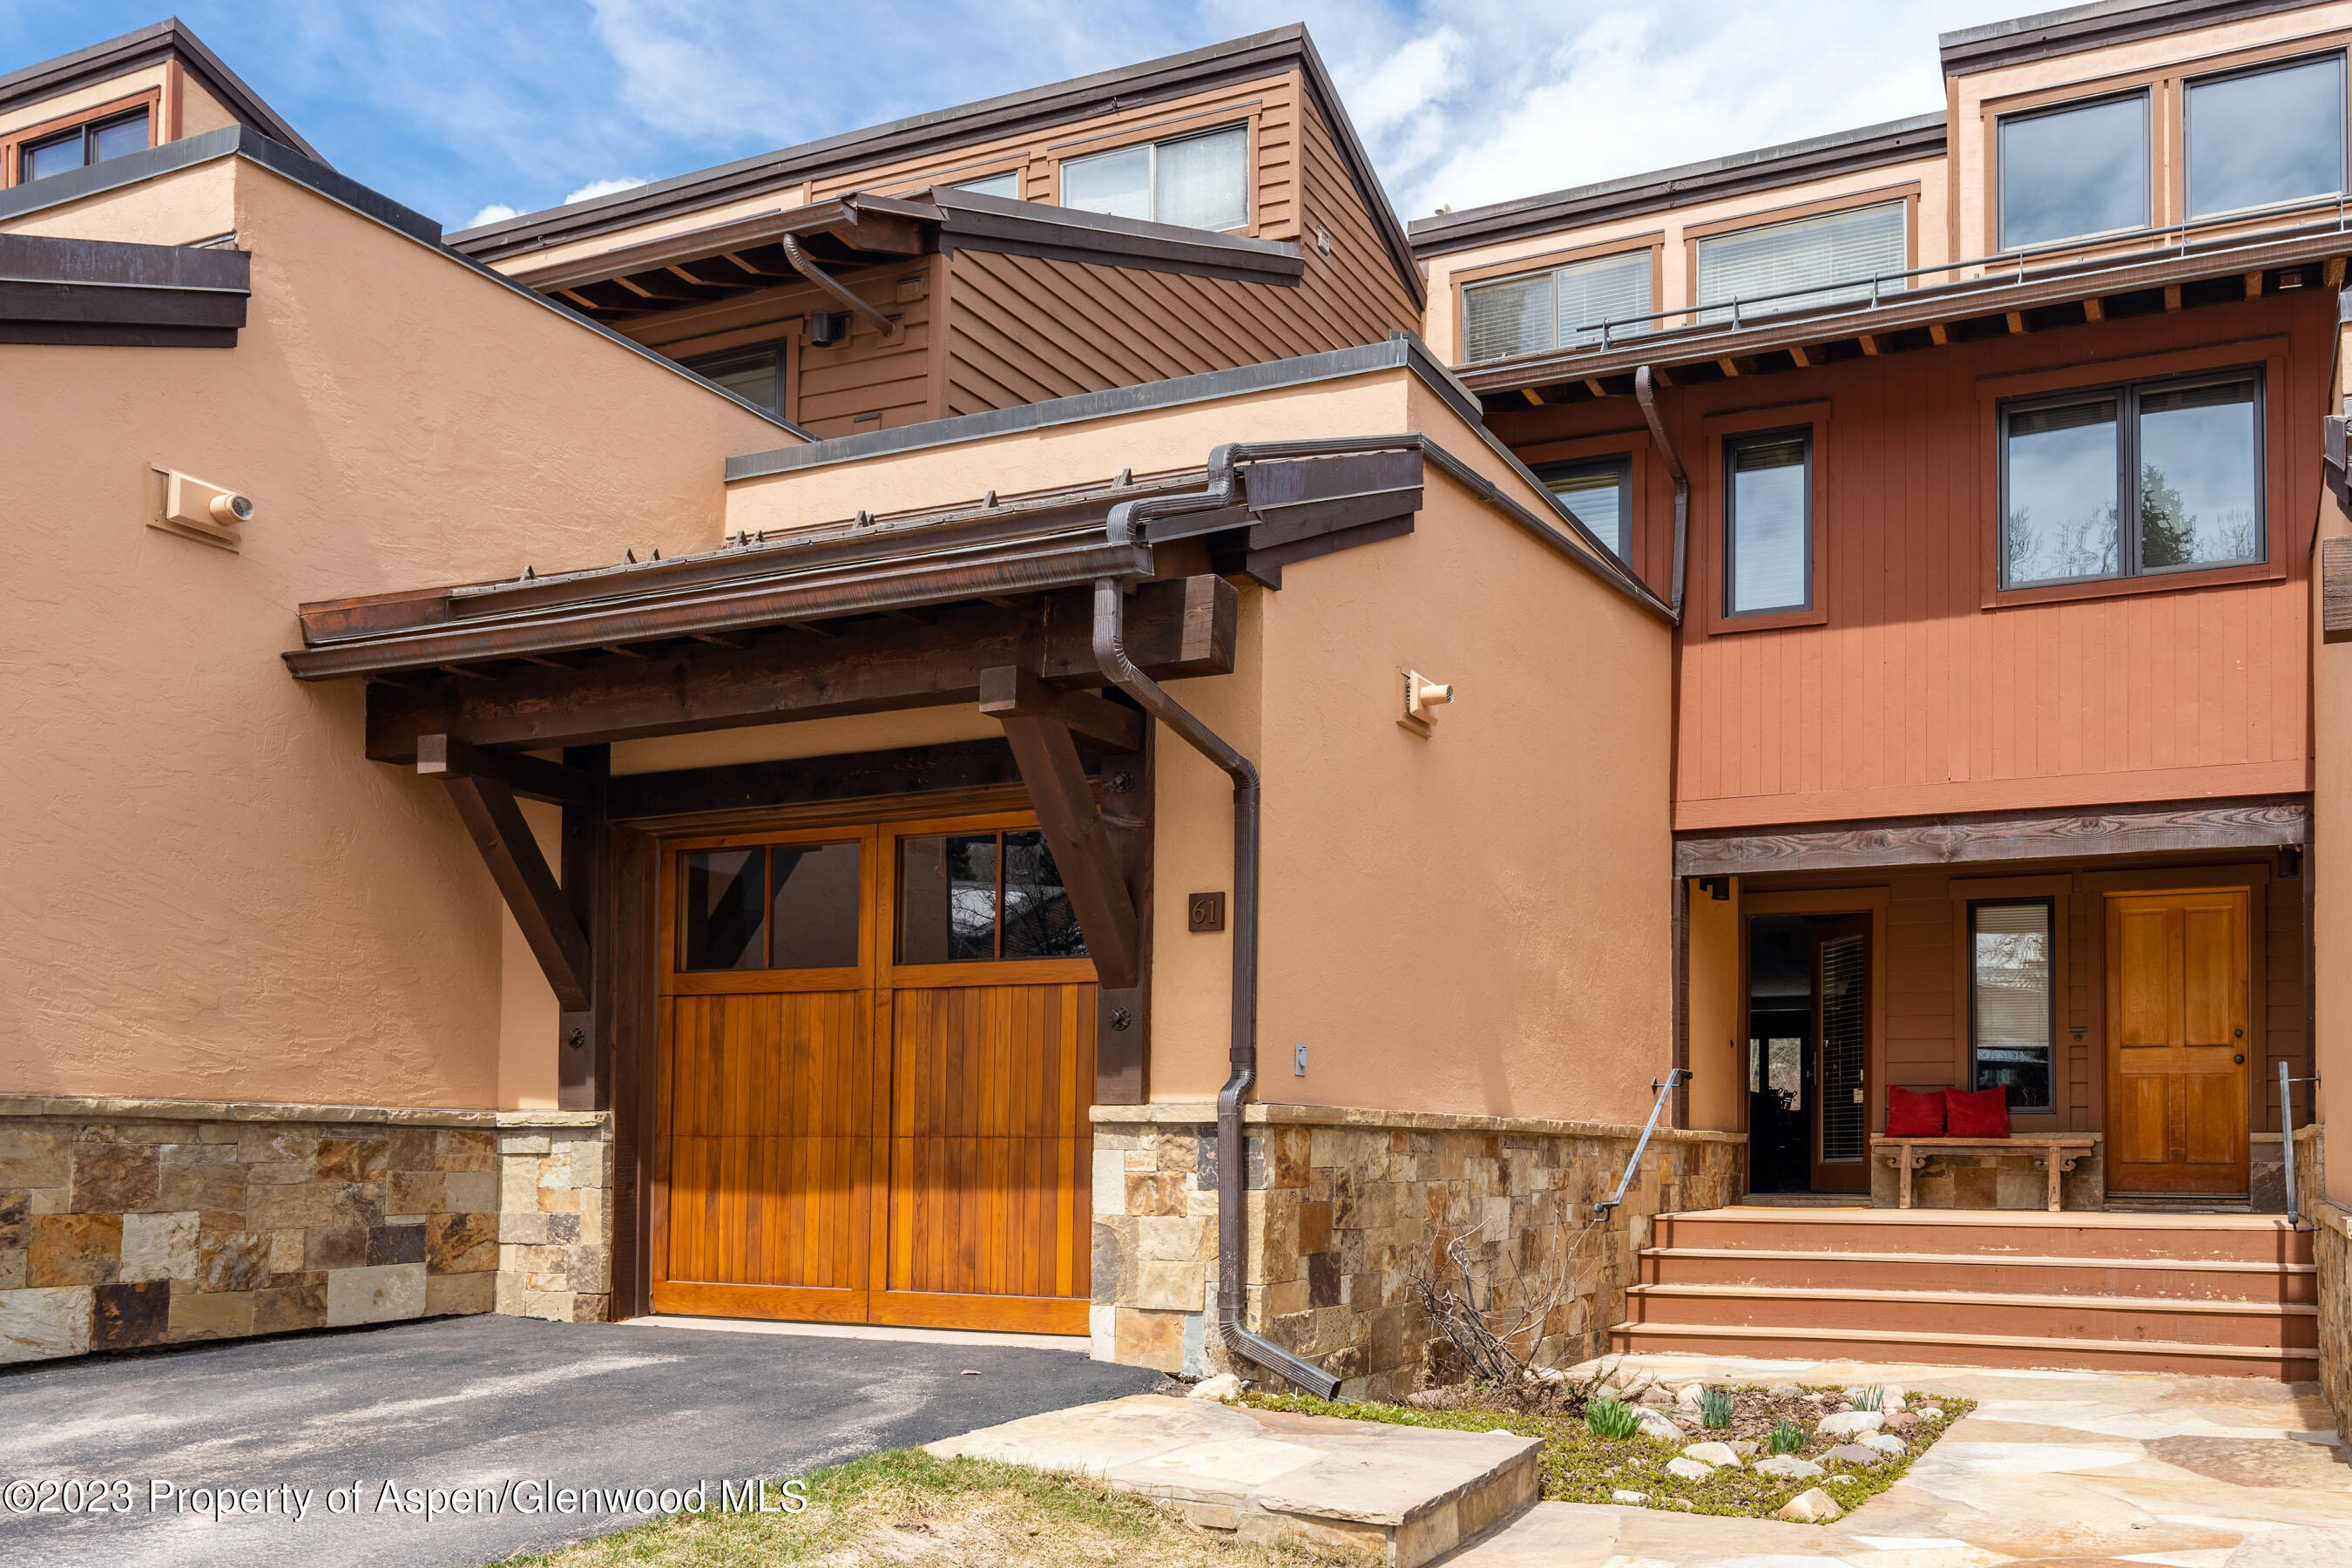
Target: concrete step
{"points": [[1815, 1343], [2272, 1284], [2238, 1238], [1402, 1495], [2250, 1325]]}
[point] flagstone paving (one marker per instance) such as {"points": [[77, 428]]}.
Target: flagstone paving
{"points": [[2052, 1470]]}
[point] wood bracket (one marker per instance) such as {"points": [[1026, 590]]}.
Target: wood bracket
{"points": [[1008, 689], [1036, 724], [487, 807], [534, 778]]}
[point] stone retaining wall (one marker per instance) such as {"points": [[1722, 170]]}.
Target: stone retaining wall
{"points": [[2331, 1250], [1347, 1207], [132, 1222]]}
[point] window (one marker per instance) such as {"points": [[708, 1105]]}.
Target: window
{"points": [[2131, 480], [1006, 185], [2067, 173], [84, 144], [2011, 1000], [2260, 137], [1198, 182], [1564, 307], [1769, 554], [1861, 243], [781, 906], [973, 897], [1596, 490], [756, 375]]}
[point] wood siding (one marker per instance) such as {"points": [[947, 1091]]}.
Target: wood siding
{"points": [[1925, 931], [1915, 692]]}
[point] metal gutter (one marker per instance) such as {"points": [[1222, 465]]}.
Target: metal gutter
{"points": [[831, 286]]}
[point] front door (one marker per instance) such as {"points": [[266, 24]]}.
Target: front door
{"points": [[876, 1053], [2178, 981], [1842, 1048]]}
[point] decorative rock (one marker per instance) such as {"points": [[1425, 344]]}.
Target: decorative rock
{"points": [[1785, 1390], [1689, 1394], [1225, 1386], [1658, 1426], [1621, 1494], [1886, 1444], [1894, 1397], [1746, 1449], [1714, 1454], [1789, 1467], [1855, 1454], [1851, 1423], [1928, 1412], [1814, 1507], [1901, 1421], [1654, 1395], [1688, 1469], [1684, 1423]]}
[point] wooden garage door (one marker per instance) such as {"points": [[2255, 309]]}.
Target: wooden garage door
{"points": [[876, 1056]]}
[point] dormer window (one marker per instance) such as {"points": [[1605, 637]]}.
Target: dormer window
{"points": [[2264, 137], [1536, 312], [1006, 185], [1198, 182], [2072, 172], [1764, 265], [94, 141]]}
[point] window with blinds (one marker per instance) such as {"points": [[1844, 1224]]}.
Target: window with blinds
{"points": [[1768, 528], [1596, 492], [1539, 311], [1827, 260]]}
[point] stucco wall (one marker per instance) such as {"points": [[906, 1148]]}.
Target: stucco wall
{"points": [[2331, 872], [1718, 1056], [210, 893]]}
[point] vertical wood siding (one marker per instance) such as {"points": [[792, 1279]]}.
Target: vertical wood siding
{"points": [[1913, 697]]}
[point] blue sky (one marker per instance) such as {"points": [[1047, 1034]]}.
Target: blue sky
{"points": [[455, 108]]}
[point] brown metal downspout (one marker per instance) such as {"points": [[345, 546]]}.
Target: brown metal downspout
{"points": [[1110, 656], [808, 268], [1645, 394]]}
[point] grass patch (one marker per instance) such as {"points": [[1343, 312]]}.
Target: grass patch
{"points": [[1580, 1466], [904, 1506]]}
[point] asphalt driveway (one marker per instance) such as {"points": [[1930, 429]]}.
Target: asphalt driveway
{"points": [[361, 1447]]}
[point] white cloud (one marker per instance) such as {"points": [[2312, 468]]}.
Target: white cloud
{"points": [[595, 188], [497, 211]]}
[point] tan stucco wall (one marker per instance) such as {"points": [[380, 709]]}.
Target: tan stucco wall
{"points": [[146, 79], [210, 893], [2331, 852], [1718, 1056]]}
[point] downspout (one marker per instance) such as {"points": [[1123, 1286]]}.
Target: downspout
{"points": [[1646, 394], [1110, 655], [832, 285]]}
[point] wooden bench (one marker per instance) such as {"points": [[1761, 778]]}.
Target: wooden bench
{"points": [[2054, 1151]]}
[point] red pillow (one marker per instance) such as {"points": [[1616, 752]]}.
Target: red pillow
{"points": [[1984, 1114], [1914, 1115]]}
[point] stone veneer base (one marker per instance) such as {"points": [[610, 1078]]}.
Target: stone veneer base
{"points": [[127, 1222], [1347, 1206], [2331, 1250]]}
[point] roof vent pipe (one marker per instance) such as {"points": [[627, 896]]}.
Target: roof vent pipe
{"points": [[1233, 1154], [1645, 394]]}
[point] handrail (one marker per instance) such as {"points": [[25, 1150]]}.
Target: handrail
{"points": [[1640, 326], [2286, 1144], [1673, 1076]]}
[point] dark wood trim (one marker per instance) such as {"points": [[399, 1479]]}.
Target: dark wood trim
{"points": [[1129, 798], [1678, 938], [803, 781], [1064, 805], [1177, 628], [2058, 833], [629, 1004], [532, 892], [2336, 589], [583, 1051], [1009, 691], [99, 292], [533, 778]]}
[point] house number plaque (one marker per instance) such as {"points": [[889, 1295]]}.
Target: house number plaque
{"points": [[1204, 912]]}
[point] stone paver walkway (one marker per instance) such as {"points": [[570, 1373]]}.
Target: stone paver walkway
{"points": [[2052, 1470]]}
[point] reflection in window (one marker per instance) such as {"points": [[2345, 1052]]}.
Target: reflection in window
{"points": [[2193, 497], [1863, 243], [813, 900], [1778, 1064], [2072, 172], [973, 897], [2265, 136], [2010, 1000], [1007, 185], [1198, 182], [83, 145], [1596, 492], [1038, 920], [1563, 308], [754, 374], [1769, 526], [725, 902]]}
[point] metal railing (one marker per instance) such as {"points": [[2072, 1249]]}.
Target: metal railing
{"points": [[2286, 1144], [1872, 290], [1632, 1167]]}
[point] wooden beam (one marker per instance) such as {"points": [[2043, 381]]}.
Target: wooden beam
{"points": [[1938, 334], [1057, 788], [2094, 309], [2060, 832], [1010, 691], [2333, 271], [1796, 353], [2335, 590], [1869, 341], [1730, 368], [2016, 323], [534, 778], [1532, 396], [1593, 386], [806, 781], [2253, 285], [532, 894], [2173, 295], [1178, 627]]}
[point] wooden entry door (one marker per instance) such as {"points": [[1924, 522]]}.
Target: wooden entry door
{"points": [[876, 1054], [2178, 981], [1842, 1013]]}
